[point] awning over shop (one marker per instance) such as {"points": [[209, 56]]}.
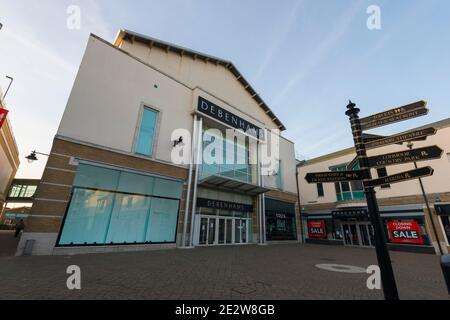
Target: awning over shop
{"points": [[228, 184]]}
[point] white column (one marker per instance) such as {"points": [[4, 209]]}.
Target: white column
{"points": [[198, 159], [188, 194]]}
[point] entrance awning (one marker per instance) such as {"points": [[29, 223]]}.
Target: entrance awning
{"points": [[228, 184]]}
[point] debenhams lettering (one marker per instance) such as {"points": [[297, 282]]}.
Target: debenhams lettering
{"points": [[224, 116]]}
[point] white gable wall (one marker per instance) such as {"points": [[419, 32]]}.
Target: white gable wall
{"points": [[215, 79]]}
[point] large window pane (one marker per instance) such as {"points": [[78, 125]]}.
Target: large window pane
{"points": [[129, 219], [163, 220], [144, 143], [88, 217], [135, 183], [167, 188], [96, 177]]}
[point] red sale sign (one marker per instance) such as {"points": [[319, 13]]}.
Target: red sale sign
{"points": [[3, 113], [405, 232], [317, 229]]}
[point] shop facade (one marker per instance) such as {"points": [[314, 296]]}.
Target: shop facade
{"points": [[337, 214], [405, 228], [131, 166]]}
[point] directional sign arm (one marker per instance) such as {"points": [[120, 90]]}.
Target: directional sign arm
{"points": [[420, 134], [407, 156], [393, 119], [404, 176], [335, 176], [389, 113]]}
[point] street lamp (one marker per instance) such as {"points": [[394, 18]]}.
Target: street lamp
{"points": [[410, 146], [11, 79], [32, 156]]}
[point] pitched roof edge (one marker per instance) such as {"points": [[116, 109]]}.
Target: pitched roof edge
{"points": [[124, 34]]}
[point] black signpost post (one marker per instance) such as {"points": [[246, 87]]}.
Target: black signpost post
{"points": [[384, 260], [364, 141]]}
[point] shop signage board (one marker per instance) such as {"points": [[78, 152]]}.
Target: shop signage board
{"points": [[405, 232], [407, 112], [400, 177], [3, 114], [317, 229], [220, 114], [420, 134], [350, 213], [226, 205], [407, 156], [335, 176]]}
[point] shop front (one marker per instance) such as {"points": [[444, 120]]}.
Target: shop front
{"points": [[223, 222], [405, 230], [443, 212], [280, 220]]}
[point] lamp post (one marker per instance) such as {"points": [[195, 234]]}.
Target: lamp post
{"points": [[11, 79], [410, 146], [32, 156]]}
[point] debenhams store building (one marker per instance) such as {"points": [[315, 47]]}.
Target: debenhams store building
{"points": [[111, 182]]}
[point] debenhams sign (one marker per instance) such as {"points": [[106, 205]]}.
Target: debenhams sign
{"points": [[210, 109]]}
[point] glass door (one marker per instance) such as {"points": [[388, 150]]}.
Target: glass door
{"points": [[364, 232], [355, 236], [351, 235], [222, 233], [212, 230], [244, 231], [203, 231], [347, 234], [237, 230], [229, 231]]}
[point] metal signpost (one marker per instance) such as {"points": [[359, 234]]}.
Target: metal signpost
{"points": [[369, 141]]}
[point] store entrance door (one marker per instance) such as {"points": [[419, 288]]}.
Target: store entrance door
{"points": [[358, 234], [216, 230]]}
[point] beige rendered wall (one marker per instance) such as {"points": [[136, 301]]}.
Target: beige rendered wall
{"points": [[438, 183], [9, 159], [111, 87], [108, 95], [216, 79]]}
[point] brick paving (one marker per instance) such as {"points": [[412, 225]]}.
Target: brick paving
{"points": [[234, 272], [8, 243]]}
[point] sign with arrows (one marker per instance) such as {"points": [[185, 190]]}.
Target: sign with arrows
{"points": [[409, 111], [420, 134], [335, 176], [404, 176], [407, 156]]}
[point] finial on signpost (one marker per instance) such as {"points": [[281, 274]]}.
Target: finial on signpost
{"points": [[352, 110]]}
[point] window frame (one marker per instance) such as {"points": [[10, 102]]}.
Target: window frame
{"points": [[384, 186], [158, 112], [323, 190]]}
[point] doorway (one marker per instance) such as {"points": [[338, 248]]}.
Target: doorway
{"points": [[217, 230], [358, 234]]}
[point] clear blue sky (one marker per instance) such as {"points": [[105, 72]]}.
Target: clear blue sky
{"points": [[305, 58]]}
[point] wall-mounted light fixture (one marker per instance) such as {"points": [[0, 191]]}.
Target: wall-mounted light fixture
{"points": [[32, 156]]}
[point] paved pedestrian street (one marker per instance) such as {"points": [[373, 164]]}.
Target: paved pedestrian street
{"points": [[285, 271]]}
